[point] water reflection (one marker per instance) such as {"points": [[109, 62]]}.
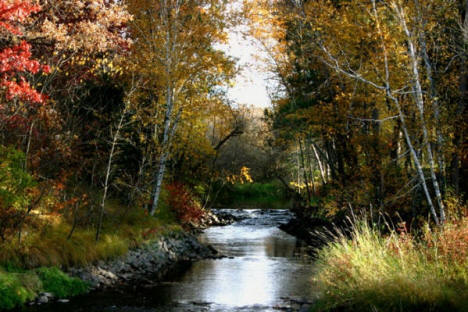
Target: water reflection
{"points": [[264, 268]]}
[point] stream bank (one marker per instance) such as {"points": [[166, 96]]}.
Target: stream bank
{"points": [[146, 264], [264, 270]]}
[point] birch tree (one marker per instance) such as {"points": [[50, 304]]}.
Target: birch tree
{"points": [[174, 54], [363, 76]]}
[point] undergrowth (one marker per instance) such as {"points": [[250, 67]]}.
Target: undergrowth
{"points": [[52, 246], [34, 265], [396, 272], [18, 286]]}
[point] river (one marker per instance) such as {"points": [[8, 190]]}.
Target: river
{"points": [[265, 270]]}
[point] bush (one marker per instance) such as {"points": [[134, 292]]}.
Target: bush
{"points": [[18, 287], [60, 284], [13, 292], [183, 203], [15, 188], [399, 272]]}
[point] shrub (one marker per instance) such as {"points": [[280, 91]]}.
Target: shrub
{"points": [[183, 203], [13, 292], [15, 189], [60, 284], [18, 286]]}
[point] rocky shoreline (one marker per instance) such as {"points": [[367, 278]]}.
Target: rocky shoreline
{"points": [[149, 263], [146, 264]]}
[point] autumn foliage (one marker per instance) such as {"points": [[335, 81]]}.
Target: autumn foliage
{"points": [[183, 203], [16, 60]]}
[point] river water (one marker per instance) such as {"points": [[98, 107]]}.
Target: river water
{"points": [[265, 270]]}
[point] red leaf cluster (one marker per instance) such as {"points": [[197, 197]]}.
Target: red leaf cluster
{"points": [[182, 202], [13, 12], [16, 61]]}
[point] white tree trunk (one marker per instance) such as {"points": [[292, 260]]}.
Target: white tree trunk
{"points": [[420, 104], [319, 162], [165, 150], [108, 174], [169, 47]]}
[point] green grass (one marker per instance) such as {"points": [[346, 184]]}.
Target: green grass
{"points": [[254, 195], [370, 272], [59, 283], [18, 287], [34, 265]]}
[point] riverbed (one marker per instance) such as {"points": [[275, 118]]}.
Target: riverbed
{"points": [[265, 269]]}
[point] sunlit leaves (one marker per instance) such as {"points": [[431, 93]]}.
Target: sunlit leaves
{"points": [[15, 60]]}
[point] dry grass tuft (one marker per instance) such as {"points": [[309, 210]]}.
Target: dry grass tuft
{"points": [[398, 272]]}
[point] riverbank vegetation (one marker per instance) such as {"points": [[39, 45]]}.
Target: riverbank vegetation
{"points": [[116, 126], [18, 286], [113, 119], [370, 116], [271, 195], [401, 271]]}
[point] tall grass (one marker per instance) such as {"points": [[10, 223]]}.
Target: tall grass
{"points": [[51, 246], [33, 265], [396, 272]]}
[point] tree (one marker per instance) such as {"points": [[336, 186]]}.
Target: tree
{"points": [[174, 54], [361, 79], [15, 59]]}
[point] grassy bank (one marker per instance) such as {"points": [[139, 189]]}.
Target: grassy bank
{"points": [[35, 265], [269, 195], [53, 245], [18, 287], [398, 272]]}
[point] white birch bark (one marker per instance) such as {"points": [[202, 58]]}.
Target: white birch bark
{"points": [[420, 104], [319, 162], [333, 63], [170, 45], [115, 139]]}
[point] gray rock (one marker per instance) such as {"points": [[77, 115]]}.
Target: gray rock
{"points": [[63, 301], [152, 260], [42, 299], [47, 294]]}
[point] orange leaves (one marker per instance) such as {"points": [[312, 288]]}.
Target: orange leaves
{"points": [[74, 35], [86, 26], [452, 241], [242, 178]]}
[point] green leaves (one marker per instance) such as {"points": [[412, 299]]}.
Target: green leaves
{"points": [[14, 180]]}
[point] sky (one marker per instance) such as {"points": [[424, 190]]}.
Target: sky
{"points": [[251, 84]]}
